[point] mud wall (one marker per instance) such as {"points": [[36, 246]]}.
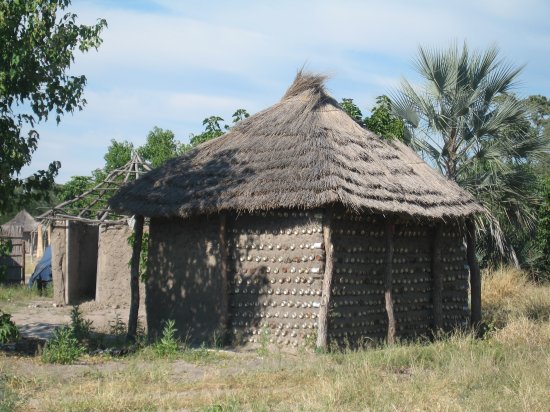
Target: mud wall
{"points": [[184, 281], [82, 262], [59, 261], [357, 310], [276, 266], [113, 271]]}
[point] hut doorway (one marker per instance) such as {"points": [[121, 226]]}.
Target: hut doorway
{"points": [[74, 252]]}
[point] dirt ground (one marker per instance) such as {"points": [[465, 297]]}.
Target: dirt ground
{"points": [[38, 319]]}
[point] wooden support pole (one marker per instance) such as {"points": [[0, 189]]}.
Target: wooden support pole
{"points": [[224, 256], [437, 276], [388, 280], [475, 276], [134, 279], [39, 242], [322, 331]]}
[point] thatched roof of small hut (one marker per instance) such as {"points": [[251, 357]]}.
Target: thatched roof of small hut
{"points": [[303, 152], [21, 221]]}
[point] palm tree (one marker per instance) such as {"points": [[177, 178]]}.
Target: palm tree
{"points": [[465, 122]]}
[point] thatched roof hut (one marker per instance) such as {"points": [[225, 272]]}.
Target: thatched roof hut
{"points": [[303, 152], [300, 167], [22, 221]]}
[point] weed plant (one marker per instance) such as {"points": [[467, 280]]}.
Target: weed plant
{"points": [[8, 330], [169, 344], [81, 328], [63, 347]]}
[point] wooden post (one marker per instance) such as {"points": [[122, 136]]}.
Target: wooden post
{"points": [[134, 279], [39, 242], [388, 280], [475, 276], [322, 327], [224, 253], [23, 253]]}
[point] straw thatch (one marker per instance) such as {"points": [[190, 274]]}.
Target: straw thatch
{"points": [[22, 221], [302, 152]]}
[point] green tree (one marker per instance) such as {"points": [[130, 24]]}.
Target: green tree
{"points": [[118, 154], [38, 40], [543, 232], [240, 114], [160, 146], [76, 186], [352, 110], [212, 129], [464, 122], [383, 122]]}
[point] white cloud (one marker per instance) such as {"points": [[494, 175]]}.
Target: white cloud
{"points": [[176, 64]]}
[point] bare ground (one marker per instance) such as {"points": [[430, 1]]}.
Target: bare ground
{"points": [[38, 318]]}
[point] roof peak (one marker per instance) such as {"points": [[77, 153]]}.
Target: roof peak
{"points": [[307, 82]]}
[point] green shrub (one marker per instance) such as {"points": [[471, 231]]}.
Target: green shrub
{"points": [[81, 328], [63, 347], [8, 330], [169, 344]]}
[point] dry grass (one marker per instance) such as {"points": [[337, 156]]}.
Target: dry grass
{"points": [[507, 295], [507, 370], [12, 296]]}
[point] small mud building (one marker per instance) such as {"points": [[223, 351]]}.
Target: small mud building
{"points": [[90, 250], [300, 225]]}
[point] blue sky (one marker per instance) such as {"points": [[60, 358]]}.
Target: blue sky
{"points": [[172, 63]]}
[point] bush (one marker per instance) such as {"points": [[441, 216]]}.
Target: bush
{"points": [[169, 344], [8, 330], [63, 347], [81, 328]]}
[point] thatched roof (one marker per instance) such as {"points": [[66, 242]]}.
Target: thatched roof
{"points": [[21, 221], [303, 152]]}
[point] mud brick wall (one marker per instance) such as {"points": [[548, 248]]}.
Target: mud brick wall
{"points": [[357, 308], [275, 276], [412, 278], [113, 270], [455, 278], [184, 281]]}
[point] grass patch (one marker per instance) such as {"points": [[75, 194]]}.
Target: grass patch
{"points": [[508, 295], [13, 296], [509, 369]]}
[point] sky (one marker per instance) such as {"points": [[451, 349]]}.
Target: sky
{"points": [[171, 64]]}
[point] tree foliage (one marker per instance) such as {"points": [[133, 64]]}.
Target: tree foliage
{"points": [[352, 110], [39, 39], [160, 146], [465, 122], [213, 127], [383, 122], [543, 233], [118, 154]]}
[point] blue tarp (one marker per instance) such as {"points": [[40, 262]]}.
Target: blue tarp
{"points": [[43, 270]]}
